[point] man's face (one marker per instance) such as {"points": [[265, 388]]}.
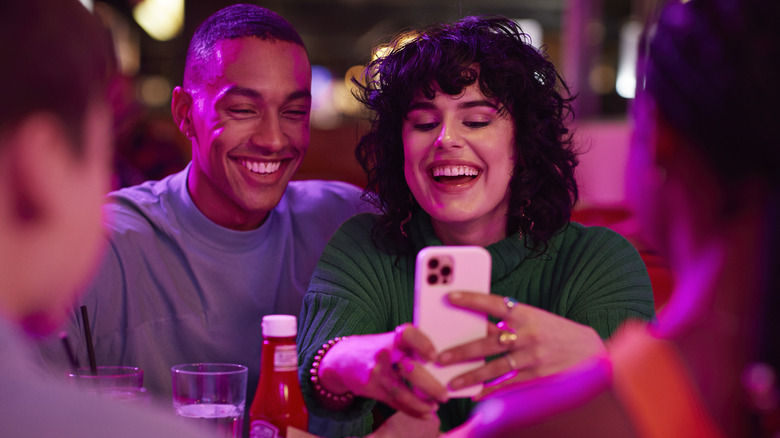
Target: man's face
{"points": [[249, 127]]}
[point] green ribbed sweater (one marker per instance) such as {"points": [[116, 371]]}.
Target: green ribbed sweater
{"points": [[591, 275]]}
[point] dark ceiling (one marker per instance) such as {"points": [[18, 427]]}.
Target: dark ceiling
{"points": [[340, 33]]}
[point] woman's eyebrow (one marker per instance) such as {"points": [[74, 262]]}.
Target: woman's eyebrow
{"points": [[421, 105], [428, 105], [477, 103]]}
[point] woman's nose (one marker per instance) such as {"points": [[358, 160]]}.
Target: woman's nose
{"points": [[448, 136]]}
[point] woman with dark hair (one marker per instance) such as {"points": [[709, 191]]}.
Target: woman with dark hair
{"points": [[468, 146], [705, 172]]}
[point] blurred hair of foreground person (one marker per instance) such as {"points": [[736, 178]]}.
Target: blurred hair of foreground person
{"points": [[468, 146], [705, 173], [55, 154]]}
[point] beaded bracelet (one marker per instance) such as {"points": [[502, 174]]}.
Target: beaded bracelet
{"points": [[327, 398]]}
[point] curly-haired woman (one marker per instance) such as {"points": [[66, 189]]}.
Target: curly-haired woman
{"points": [[468, 146]]}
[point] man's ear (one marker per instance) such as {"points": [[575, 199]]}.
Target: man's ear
{"points": [[38, 151], [181, 103]]}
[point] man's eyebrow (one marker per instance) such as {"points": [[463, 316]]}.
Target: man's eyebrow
{"points": [[300, 94], [237, 90]]}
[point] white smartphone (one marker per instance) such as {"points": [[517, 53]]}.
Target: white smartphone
{"points": [[440, 270]]}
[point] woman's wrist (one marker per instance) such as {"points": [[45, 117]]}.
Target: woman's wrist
{"points": [[335, 400]]}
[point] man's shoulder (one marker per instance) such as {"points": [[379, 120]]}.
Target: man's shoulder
{"points": [[149, 191], [322, 188], [144, 205], [329, 198], [358, 229]]}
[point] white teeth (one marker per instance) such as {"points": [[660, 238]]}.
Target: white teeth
{"points": [[262, 167], [454, 171]]}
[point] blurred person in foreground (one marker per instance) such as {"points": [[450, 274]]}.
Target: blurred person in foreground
{"points": [[705, 178], [468, 146], [55, 154], [197, 259]]}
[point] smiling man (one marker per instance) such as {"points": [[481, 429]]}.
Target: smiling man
{"points": [[195, 260]]}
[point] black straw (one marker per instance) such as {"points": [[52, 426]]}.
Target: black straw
{"points": [[88, 336], [74, 362]]}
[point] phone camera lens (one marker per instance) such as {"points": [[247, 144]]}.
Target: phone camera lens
{"points": [[446, 271], [433, 279], [433, 263]]}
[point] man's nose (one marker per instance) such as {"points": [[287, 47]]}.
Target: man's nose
{"points": [[268, 133]]}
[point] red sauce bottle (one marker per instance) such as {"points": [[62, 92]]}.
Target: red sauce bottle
{"points": [[278, 403]]}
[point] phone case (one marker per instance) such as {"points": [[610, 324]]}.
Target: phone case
{"points": [[440, 270]]}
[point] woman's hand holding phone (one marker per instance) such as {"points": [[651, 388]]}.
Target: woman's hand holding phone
{"points": [[387, 367], [534, 343]]}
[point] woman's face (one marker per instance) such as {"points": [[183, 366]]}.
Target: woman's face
{"points": [[459, 155]]}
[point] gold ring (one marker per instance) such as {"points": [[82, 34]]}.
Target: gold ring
{"points": [[507, 337], [511, 362]]}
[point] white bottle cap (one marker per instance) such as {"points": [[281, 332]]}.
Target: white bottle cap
{"points": [[280, 326]]}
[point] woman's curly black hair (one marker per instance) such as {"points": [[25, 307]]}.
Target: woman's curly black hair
{"points": [[495, 53]]}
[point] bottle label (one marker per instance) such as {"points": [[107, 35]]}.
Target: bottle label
{"points": [[285, 358], [263, 429]]}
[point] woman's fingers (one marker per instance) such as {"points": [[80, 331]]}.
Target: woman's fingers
{"points": [[397, 393], [401, 398], [493, 305], [505, 367], [496, 342], [398, 377], [412, 341], [531, 342], [423, 384]]}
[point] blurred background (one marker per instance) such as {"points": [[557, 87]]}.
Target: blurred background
{"points": [[591, 42]]}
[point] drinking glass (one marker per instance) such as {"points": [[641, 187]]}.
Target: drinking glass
{"points": [[117, 382], [212, 395]]}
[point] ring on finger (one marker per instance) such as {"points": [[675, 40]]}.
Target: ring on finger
{"points": [[510, 304], [507, 337], [393, 390], [512, 364], [403, 366]]}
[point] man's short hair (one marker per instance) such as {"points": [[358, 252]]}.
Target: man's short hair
{"points": [[232, 22]]}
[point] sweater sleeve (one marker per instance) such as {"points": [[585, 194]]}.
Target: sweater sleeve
{"points": [[607, 283], [349, 294]]}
